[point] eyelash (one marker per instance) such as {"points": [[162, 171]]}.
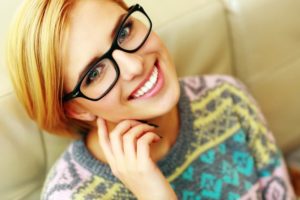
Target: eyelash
{"points": [[88, 80], [129, 25]]}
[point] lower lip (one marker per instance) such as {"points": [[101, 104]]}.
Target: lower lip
{"points": [[156, 88]]}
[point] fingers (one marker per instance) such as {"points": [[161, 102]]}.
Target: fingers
{"points": [[112, 143], [128, 143], [143, 145], [131, 137], [116, 136]]}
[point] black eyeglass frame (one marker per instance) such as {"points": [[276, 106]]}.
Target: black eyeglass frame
{"points": [[108, 55]]}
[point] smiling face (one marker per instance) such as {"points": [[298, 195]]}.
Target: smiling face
{"points": [[147, 86]]}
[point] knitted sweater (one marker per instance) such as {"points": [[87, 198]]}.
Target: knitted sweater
{"points": [[224, 150]]}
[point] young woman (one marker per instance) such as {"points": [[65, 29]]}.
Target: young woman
{"points": [[96, 70]]}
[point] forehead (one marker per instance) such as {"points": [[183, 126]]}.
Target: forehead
{"points": [[91, 23]]}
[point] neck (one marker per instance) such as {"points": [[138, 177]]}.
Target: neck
{"points": [[168, 131]]}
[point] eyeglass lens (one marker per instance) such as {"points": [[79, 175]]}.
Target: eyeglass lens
{"points": [[103, 74]]}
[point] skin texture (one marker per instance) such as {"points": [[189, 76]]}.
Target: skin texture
{"points": [[131, 148]]}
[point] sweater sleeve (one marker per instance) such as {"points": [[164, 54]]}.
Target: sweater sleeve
{"points": [[274, 181]]}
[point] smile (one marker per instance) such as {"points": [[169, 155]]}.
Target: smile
{"points": [[150, 86]]}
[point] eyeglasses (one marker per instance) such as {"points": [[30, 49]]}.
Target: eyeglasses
{"points": [[104, 73]]}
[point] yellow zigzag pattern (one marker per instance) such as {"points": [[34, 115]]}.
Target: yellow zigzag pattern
{"points": [[202, 121], [218, 91], [92, 186], [263, 151], [201, 149]]}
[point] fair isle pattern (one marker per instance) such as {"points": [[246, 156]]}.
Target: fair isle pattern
{"points": [[99, 188], [87, 186], [224, 151], [218, 115], [221, 172], [67, 176]]}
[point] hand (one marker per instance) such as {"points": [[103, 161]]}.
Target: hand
{"points": [[127, 151]]}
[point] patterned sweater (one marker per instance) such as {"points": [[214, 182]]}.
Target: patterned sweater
{"points": [[224, 150]]}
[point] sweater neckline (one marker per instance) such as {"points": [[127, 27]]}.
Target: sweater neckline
{"points": [[167, 164]]}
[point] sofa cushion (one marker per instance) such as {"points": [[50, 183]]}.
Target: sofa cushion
{"points": [[266, 41]]}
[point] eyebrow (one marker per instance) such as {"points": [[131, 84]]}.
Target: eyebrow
{"points": [[93, 60]]}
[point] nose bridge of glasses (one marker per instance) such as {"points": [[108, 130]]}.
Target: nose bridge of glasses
{"points": [[130, 64]]}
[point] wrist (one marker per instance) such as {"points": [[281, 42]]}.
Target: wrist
{"points": [[171, 195]]}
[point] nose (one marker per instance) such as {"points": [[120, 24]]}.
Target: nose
{"points": [[130, 64]]}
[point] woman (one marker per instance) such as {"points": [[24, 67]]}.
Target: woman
{"points": [[95, 69]]}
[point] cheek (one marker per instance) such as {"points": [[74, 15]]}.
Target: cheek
{"points": [[153, 44], [103, 109], [110, 107], [156, 45]]}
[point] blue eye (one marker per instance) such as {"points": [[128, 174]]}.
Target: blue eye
{"points": [[125, 32], [94, 75]]}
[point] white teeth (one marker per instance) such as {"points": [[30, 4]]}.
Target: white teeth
{"points": [[148, 85], [144, 89], [140, 92]]}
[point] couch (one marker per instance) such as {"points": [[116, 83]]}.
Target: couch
{"points": [[253, 40]]}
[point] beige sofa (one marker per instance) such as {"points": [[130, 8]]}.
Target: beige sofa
{"points": [[254, 40]]}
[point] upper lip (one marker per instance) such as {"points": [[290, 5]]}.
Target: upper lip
{"points": [[144, 81]]}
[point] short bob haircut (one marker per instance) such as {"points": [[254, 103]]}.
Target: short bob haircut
{"points": [[34, 59]]}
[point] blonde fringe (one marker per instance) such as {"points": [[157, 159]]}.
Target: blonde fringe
{"points": [[34, 60]]}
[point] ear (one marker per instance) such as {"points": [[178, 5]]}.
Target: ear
{"points": [[75, 111]]}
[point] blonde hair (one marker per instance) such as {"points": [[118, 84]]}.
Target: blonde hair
{"points": [[34, 60]]}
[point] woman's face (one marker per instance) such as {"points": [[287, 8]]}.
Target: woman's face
{"points": [[92, 23]]}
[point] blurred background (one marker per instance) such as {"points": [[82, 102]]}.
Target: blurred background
{"points": [[7, 9], [253, 40]]}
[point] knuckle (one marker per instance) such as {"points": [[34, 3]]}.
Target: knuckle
{"points": [[135, 133], [127, 123], [152, 135], [145, 126], [114, 134], [142, 142], [146, 138], [127, 138]]}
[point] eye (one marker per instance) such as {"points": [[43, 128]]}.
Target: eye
{"points": [[125, 32], [94, 74]]}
